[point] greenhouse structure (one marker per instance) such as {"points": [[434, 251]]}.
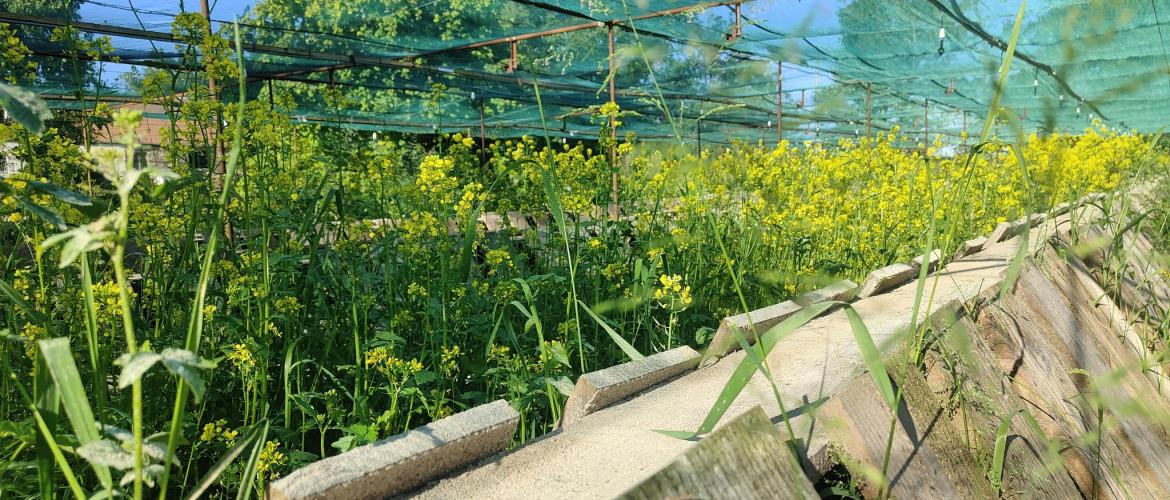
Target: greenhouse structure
{"points": [[315, 249]]}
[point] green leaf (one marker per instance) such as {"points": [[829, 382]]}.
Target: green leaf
{"points": [[186, 365], [873, 358], [251, 438], [993, 107], [563, 385], [65, 195], [12, 295], [631, 353], [107, 453], [45, 214], [134, 365], [81, 239], [25, 107], [148, 474], [59, 360], [996, 472], [48, 405], [469, 233]]}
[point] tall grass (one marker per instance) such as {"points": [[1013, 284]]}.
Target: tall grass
{"points": [[328, 330]]}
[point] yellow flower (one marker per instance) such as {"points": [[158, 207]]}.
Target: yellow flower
{"points": [[417, 291], [32, 333], [242, 357], [270, 460], [434, 180]]}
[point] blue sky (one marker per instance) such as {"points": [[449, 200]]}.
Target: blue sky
{"points": [[156, 15]]}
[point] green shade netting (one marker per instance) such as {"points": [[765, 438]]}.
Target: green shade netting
{"points": [[682, 76]]}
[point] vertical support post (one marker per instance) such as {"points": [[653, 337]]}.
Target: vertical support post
{"points": [[482, 138], [217, 168], [271, 100], [964, 128], [512, 60], [779, 102], [699, 137], [613, 208], [868, 107], [926, 125]]}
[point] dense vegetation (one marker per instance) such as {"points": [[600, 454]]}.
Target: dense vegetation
{"points": [[338, 290]]}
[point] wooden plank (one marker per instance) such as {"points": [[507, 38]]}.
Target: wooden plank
{"points": [[1055, 349], [963, 379], [746, 458], [857, 422]]}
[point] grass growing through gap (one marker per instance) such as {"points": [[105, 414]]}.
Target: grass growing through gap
{"points": [[356, 297]]}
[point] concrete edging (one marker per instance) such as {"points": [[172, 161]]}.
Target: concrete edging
{"points": [[886, 278], [762, 319], [599, 389], [400, 463]]}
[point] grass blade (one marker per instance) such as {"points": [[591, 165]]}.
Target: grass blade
{"points": [[14, 296], [226, 460], [996, 472], [48, 402], [249, 474], [872, 357], [743, 373], [632, 353], [993, 108], [58, 359]]}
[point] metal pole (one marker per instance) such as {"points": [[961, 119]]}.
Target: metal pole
{"points": [[779, 103], [868, 107], [613, 209]]}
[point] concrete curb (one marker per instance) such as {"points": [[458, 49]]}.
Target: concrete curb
{"points": [[764, 318], [935, 257], [971, 246], [599, 389], [492, 222], [1001, 230], [398, 464], [841, 291], [516, 219], [886, 278]]}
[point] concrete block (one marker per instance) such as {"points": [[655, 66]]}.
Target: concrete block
{"points": [[970, 246], [886, 278], [746, 458], [398, 464], [934, 257], [762, 319], [1061, 209], [841, 291], [1000, 232], [491, 221], [599, 389], [517, 220]]}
